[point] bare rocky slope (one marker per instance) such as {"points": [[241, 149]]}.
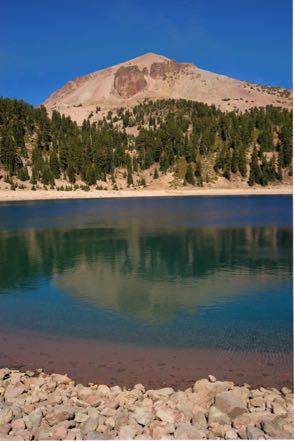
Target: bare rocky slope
{"points": [[153, 77]]}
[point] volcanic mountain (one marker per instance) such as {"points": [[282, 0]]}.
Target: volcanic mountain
{"points": [[153, 77]]}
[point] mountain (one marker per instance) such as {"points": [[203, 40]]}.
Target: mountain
{"points": [[153, 77]]}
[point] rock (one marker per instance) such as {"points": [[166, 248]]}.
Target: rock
{"points": [[18, 424], [254, 433], [140, 387], [13, 392], [94, 400], [216, 387], [74, 434], [199, 419], [212, 378], [165, 414], [103, 390], [5, 429], [6, 416], [60, 379], [34, 419], [84, 393], [142, 415], [4, 373], [257, 402], [59, 414], [241, 421], [129, 80], [159, 432], [115, 390], [231, 434], [60, 432], [272, 430], [55, 399], [81, 417], [230, 403], [93, 412], [219, 430], [89, 425], [128, 432], [278, 409], [285, 391], [187, 431], [217, 416], [93, 435], [108, 411]]}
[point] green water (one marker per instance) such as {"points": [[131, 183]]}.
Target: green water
{"points": [[191, 272]]}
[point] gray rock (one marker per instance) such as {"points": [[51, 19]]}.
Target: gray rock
{"points": [[254, 433], [231, 403], [272, 430], [217, 416], [34, 419], [90, 425], [199, 419], [6, 415]]}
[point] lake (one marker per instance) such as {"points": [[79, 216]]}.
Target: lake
{"points": [[151, 290]]}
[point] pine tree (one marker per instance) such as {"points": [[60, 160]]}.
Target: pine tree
{"points": [[189, 176]]}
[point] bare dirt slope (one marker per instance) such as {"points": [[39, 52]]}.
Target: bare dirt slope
{"points": [[152, 76]]}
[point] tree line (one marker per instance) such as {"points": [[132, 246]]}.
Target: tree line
{"points": [[255, 145]]}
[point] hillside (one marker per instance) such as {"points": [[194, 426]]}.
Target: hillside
{"points": [[170, 144], [155, 77]]}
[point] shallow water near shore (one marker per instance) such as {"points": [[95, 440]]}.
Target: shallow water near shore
{"points": [[211, 275]]}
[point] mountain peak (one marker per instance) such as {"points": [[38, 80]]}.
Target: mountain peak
{"points": [[153, 76]]}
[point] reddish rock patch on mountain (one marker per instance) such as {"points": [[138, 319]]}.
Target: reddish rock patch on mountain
{"points": [[129, 80], [160, 70]]}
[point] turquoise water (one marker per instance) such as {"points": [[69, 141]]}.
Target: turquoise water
{"points": [[200, 272]]}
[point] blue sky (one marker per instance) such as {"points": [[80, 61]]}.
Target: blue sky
{"points": [[43, 44]]}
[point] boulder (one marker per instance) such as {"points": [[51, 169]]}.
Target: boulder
{"points": [[231, 403]]}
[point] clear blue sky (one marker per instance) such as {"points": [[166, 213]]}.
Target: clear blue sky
{"points": [[45, 43]]}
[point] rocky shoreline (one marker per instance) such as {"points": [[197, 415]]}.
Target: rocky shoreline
{"points": [[39, 406]]}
